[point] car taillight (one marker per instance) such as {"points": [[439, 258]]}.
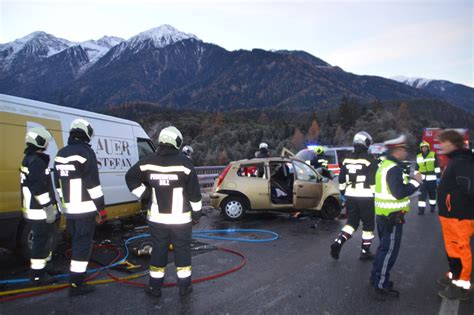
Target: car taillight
{"points": [[222, 175]]}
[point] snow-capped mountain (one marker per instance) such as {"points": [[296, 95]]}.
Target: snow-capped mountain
{"points": [[177, 69], [31, 48], [97, 48], [458, 94], [161, 36], [157, 37], [412, 81]]}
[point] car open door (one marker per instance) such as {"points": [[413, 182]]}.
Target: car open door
{"points": [[307, 188]]}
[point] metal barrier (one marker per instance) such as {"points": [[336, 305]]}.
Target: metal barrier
{"points": [[207, 175]]}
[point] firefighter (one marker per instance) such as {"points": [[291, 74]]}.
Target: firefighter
{"points": [[356, 183], [319, 159], [188, 151], [174, 206], [38, 202], [262, 151], [392, 190], [77, 180], [427, 165], [456, 214]]}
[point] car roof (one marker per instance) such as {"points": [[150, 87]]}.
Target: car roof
{"points": [[269, 159]]}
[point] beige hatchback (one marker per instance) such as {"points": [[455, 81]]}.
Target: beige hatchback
{"points": [[273, 184]]}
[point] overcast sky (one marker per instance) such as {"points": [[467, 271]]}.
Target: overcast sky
{"points": [[430, 39]]}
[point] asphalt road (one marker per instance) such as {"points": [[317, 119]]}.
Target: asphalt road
{"points": [[293, 275]]}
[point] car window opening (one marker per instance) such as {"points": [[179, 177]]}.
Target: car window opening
{"points": [[252, 170], [281, 182]]}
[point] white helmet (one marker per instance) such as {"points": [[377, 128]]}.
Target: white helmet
{"points": [[38, 136], [362, 138], [263, 145], [82, 125], [187, 150], [172, 136]]}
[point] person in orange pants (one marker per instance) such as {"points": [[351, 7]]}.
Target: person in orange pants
{"points": [[456, 214]]}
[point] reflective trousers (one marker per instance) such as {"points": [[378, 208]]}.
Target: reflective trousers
{"points": [[457, 237], [390, 237], [179, 236]]}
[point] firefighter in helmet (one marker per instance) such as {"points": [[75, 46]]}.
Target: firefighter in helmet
{"points": [[38, 202], [427, 165]]}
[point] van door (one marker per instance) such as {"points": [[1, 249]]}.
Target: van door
{"points": [[307, 188]]}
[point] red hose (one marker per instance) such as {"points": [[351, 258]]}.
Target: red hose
{"points": [[170, 284], [198, 280], [89, 278]]}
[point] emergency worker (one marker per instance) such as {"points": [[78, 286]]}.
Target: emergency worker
{"points": [[356, 184], [38, 202], [78, 184], [175, 204], [427, 165]]}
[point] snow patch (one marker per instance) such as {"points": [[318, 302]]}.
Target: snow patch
{"points": [[412, 81]]}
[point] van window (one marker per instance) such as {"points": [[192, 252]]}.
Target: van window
{"points": [[145, 147], [251, 170]]}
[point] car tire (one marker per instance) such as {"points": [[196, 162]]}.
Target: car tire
{"points": [[331, 209], [233, 208], [25, 238]]}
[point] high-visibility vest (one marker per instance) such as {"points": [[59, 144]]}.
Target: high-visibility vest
{"points": [[385, 202], [426, 164]]}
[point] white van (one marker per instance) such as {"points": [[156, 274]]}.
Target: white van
{"points": [[118, 144]]}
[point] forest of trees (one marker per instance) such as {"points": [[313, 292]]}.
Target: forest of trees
{"points": [[220, 137]]}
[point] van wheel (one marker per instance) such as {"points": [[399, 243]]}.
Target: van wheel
{"points": [[233, 208], [331, 209], [25, 240]]}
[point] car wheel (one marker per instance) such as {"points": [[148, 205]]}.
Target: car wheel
{"points": [[233, 208], [331, 209], [25, 240]]}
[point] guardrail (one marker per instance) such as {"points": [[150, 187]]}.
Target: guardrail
{"points": [[207, 175]]}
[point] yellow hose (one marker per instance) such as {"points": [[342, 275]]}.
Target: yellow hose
{"points": [[57, 286]]}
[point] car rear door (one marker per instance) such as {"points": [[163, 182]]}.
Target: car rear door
{"points": [[307, 188]]}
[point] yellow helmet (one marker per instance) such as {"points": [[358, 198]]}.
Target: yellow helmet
{"points": [[319, 150], [425, 144]]}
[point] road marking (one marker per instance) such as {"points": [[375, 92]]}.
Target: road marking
{"points": [[449, 307]]}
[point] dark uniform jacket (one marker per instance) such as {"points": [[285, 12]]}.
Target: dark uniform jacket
{"points": [[396, 183], [175, 194], [454, 187], [357, 175], [36, 186], [77, 180]]}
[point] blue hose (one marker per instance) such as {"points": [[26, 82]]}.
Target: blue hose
{"points": [[202, 234], [196, 234]]}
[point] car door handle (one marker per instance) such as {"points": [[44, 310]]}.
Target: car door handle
{"points": [[300, 186]]}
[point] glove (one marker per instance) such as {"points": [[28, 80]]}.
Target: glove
{"points": [[102, 216], [397, 218], [196, 216], [51, 212]]}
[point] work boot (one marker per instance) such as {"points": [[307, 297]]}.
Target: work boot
{"points": [[453, 292], [335, 250], [445, 281], [155, 292], [338, 242], [366, 255], [41, 277], [78, 287], [75, 290], [183, 291], [390, 292]]}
